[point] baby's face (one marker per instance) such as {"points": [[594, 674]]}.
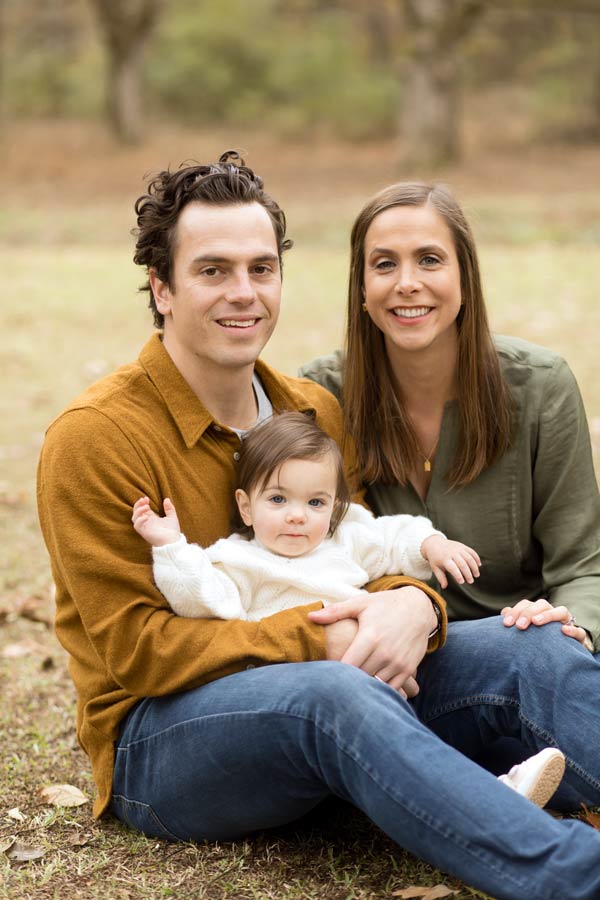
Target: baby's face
{"points": [[291, 512]]}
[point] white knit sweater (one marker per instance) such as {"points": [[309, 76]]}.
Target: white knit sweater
{"points": [[238, 578]]}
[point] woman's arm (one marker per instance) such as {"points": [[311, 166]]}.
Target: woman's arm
{"points": [[566, 513]]}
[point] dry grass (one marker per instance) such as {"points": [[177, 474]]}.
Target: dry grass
{"points": [[71, 313]]}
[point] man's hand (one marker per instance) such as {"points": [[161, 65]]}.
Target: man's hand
{"points": [[392, 635], [457, 559], [157, 530]]}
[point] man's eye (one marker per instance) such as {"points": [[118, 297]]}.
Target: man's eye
{"points": [[210, 271], [262, 270]]}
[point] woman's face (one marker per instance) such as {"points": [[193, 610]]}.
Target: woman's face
{"points": [[412, 279]]}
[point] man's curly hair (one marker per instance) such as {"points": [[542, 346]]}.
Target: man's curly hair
{"points": [[229, 181]]}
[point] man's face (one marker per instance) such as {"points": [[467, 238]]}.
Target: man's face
{"points": [[225, 292]]}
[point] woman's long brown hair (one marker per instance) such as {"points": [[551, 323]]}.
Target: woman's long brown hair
{"points": [[375, 416]]}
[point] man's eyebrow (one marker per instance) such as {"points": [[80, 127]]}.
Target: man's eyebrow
{"points": [[213, 258]]}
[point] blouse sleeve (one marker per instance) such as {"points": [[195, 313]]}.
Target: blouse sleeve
{"points": [[566, 504]]}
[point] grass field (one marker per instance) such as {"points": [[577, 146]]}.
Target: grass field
{"points": [[71, 314]]}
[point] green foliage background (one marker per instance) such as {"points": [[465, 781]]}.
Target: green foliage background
{"points": [[301, 66]]}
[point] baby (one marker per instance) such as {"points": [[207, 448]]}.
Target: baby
{"points": [[300, 540]]}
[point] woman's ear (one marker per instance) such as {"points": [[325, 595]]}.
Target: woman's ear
{"points": [[243, 501]]}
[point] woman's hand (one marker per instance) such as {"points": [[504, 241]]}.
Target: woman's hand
{"points": [[392, 636], [540, 612]]}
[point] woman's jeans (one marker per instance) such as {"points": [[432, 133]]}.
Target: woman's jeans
{"points": [[263, 747]]}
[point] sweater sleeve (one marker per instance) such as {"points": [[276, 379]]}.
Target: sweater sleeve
{"points": [[195, 588], [388, 545], [566, 513], [109, 613]]}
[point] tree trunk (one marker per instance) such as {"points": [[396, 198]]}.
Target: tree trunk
{"points": [[126, 26], [430, 120], [430, 115], [124, 100]]}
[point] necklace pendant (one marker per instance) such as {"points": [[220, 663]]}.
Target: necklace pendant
{"points": [[427, 466]]}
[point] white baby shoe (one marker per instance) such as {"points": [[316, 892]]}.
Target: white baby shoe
{"points": [[538, 777]]}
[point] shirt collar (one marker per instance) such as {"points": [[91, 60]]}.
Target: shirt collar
{"points": [[190, 415]]}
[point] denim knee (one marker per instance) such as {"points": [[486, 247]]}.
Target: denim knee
{"points": [[543, 652]]}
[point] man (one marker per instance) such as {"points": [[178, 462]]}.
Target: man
{"points": [[212, 729]]}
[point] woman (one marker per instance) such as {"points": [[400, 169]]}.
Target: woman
{"points": [[488, 438]]}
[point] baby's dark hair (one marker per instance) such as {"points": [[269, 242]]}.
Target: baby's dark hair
{"points": [[286, 436]]}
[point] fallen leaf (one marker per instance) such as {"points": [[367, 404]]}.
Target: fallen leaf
{"points": [[80, 840], [21, 853], [6, 844], [16, 814], [439, 891], [425, 893], [23, 648], [63, 795], [592, 818], [13, 498], [31, 608]]}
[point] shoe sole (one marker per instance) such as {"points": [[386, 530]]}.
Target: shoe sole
{"points": [[549, 779]]}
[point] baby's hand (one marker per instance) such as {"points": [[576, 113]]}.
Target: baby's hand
{"points": [[157, 530], [453, 557]]}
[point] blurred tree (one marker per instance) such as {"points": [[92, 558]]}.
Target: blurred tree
{"points": [[126, 26], [2, 83], [431, 108]]}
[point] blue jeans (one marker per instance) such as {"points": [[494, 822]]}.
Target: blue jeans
{"points": [[263, 747]]}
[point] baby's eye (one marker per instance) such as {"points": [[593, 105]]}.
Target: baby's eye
{"points": [[315, 501], [277, 498]]}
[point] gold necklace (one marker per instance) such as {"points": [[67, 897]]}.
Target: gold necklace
{"points": [[427, 457]]}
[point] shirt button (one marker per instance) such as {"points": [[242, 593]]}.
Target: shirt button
{"points": [[250, 666], [236, 455]]}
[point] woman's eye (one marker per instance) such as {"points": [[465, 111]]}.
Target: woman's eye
{"points": [[384, 264], [430, 261]]}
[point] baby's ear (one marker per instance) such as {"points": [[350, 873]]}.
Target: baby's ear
{"points": [[243, 501]]}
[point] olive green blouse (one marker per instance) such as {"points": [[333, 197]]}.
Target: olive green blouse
{"points": [[534, 516]]}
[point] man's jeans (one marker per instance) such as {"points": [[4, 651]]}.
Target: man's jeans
{"points": [[263, 747]]}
